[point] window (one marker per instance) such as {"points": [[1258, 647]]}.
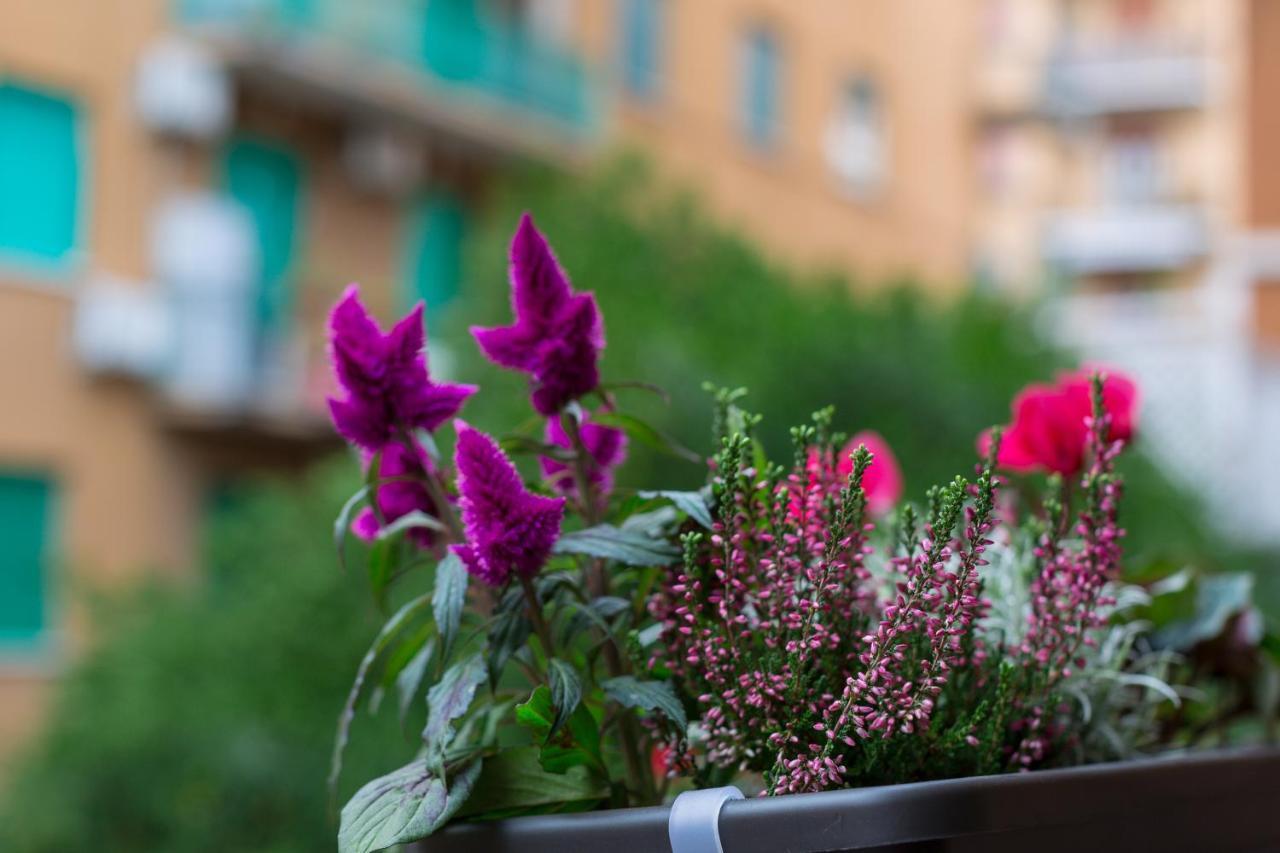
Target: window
{"points": [[39, 176], [641, 33], [267, 180], [434, 263], [856, 143], [24, 531], [761, 88]]}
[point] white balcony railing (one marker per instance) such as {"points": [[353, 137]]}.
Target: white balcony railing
{"points": [[1149, 238], [1125, 78]]}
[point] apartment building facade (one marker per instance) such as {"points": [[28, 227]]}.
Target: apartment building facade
{"points": [[185, 187]]}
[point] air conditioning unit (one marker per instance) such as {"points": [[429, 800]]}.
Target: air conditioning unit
{"points": [[121, 327], [205, 256], [181, 89]]}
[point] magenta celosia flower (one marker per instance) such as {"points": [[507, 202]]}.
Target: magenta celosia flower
{"points": [[558, 334], [403, 495], [1049, 429], [384, 376], [509, 529], [606, 448]]}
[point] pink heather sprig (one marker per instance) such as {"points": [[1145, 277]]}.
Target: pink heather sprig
{"points": [[1068, 600], [883, 696], [802, 669]]}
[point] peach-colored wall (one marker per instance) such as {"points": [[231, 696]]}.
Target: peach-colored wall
{"points": [[917, 50]]}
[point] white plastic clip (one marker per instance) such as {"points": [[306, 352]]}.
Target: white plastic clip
{"points": [[694, 825]]}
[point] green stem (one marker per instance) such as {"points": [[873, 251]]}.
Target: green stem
{"points": [[597, 583], [535, 616]]}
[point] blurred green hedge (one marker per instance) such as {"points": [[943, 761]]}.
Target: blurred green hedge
{"points": [[686, 301], [202, 719]]}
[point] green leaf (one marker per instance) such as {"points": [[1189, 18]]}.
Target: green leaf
{"points": [[513, 782], [342, 524], [508, 634], [566, 691], [658, 696], [1218, 598], [409, 679], [577, 744], [449, 699], [597, 612], [624, 546], [405, 805], [417, 519], [383, 557], [448, 599], [692, 504], [388, 632], [645, 434]]}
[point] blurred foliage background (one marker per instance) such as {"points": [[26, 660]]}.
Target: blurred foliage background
{"points": [[202, 719]]}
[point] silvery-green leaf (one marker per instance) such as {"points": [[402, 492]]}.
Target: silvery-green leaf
{"points": [[389, 630], [650, 695], [405, 805], [417, 519], [607, 541], [410, 678], [692, 504], [449, 699], [448, 599], [342, 524], [566, 691]]}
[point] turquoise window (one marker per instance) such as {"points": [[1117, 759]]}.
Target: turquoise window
{"points": [[25, 524], [641, 46], [39, 176], [437, 229], [761, 87], [455, 42], [267, 179]]}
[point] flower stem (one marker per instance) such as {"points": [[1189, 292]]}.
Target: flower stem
{"points": [[597, 583], [535, 616]]}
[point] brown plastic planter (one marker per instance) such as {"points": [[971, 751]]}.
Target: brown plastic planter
{"points": [[1217, 802]]}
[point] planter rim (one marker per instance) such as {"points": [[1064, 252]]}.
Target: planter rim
{"points": [[1231, 791]]}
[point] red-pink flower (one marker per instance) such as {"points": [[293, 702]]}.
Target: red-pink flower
{"points": [[882, 481], [1049, 429]]}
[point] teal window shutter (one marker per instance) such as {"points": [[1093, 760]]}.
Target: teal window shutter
{"points": [[39, 176], [25, 526], [437, 229], [267, 179], [641, 46], [761, 88]]}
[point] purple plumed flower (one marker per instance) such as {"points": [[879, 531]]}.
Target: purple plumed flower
{"points": [[558, 334], [384, 376], [509, 529], [404, 494], [606, 449]]}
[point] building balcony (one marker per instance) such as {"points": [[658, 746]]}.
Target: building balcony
{"points": [[1092, 81], [446, 67], [1153, 238]]}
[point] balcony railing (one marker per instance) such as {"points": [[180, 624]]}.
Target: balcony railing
{"points": [[454, 50], [1125, 239], [1123, 78]]}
